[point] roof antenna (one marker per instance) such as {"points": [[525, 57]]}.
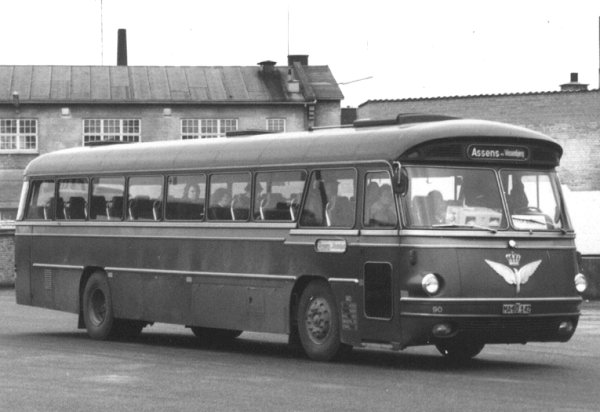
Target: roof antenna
{"points": [[288, 28]]}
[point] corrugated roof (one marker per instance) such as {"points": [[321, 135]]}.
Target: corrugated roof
{"points": [[159, 84], [475, 96]]}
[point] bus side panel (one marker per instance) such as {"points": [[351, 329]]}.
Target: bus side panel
{"points": [[150, 297], [348, 298], [22, 264], [258, 305]]}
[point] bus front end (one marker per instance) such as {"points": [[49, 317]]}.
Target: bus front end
{"points": [[490, 248]]}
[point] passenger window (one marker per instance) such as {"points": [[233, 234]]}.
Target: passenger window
{"points": [[72, 199], [186, 197], [380, 207], [277, 195], [42, 204], [229, 197], [107, 198], [144, 201], [330, 201]]}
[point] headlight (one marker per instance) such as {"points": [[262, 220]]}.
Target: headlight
{"points": [[580, 282], [430, 284]]}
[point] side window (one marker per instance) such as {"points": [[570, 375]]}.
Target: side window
{"points": [[330, 201], [107, 198], [380, 207], [229, 197], [42, 204], [144, 201], [73, 196], [186, 195], [277, 195]]}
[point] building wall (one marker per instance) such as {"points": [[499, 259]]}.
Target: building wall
{"points": [[7, 257], [56, 131], [328, 113], [573, 118]]}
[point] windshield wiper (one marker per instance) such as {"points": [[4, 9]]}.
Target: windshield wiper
{"points": [[454, 225]]}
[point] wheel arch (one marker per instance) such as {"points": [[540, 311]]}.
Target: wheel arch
{"points": [[297, 290], [85, 275]]}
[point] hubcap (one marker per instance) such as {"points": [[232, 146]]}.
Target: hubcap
{"points": [[318, 320], [97, 307]]}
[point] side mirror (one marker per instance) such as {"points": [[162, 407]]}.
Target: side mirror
{"points": [[399, 179]]}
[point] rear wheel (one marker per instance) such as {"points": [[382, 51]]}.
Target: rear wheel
{"points": [[97, 308], [458, 350], [318, 322]]}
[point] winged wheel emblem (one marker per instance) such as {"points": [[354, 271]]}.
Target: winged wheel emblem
{"points": [[514, 276]]}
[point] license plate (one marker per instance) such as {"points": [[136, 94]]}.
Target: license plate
{"points": [[516, 308]]}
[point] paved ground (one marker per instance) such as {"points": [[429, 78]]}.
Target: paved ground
{"points": [[47, 364]]}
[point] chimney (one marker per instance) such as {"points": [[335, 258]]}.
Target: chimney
{"points": [[574, 85], [267, 66], [122, 48], [300, 58]]}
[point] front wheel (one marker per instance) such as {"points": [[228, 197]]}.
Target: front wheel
{"points": [[318, 322], [97, 308], [459, 350]]}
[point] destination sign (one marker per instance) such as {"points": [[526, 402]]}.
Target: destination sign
{"points": [[489, 152]]}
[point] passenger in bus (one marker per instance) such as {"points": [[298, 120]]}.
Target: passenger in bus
{"points": [[191, 206], [517, 199], [371, 197], [436, 207], [338, 210], [191, 193], [220, 205], [382, 212]]}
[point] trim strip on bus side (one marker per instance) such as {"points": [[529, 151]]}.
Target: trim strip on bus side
{"points": [[174, 272], [485, 300], [197, 273], [471, 315], [52, 266]]}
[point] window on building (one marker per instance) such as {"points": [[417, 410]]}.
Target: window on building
{"points": [[18, 135], [8, 217], [207, 128], [111, 130], [276, 125]]}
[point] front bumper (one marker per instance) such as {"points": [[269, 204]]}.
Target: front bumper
{"points": [[486, 319]]}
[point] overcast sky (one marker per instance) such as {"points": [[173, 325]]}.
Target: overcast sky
{"points": [[418, 48]]}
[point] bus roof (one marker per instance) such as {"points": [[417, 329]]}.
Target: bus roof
{"points": [[336, 145]]}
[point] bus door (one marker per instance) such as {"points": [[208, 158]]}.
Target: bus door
{"points": [[380, 258]]}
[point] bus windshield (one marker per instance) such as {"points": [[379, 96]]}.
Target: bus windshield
{"points": [[532, 199], [453, 198]]}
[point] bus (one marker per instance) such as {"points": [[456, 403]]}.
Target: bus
{"points": [[417, 230]]}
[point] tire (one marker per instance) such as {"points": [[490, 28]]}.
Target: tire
{"points": [[97, 308], [214, 335], [457, 350], [318, 322]]}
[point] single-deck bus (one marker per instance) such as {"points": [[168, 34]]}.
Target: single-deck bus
{"points": [[419, 230]]}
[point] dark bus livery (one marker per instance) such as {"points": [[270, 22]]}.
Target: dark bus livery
{"points": [[418, 230]]}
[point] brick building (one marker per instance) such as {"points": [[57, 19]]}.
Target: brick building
{"points": [[571, 116], [47, 108]]}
